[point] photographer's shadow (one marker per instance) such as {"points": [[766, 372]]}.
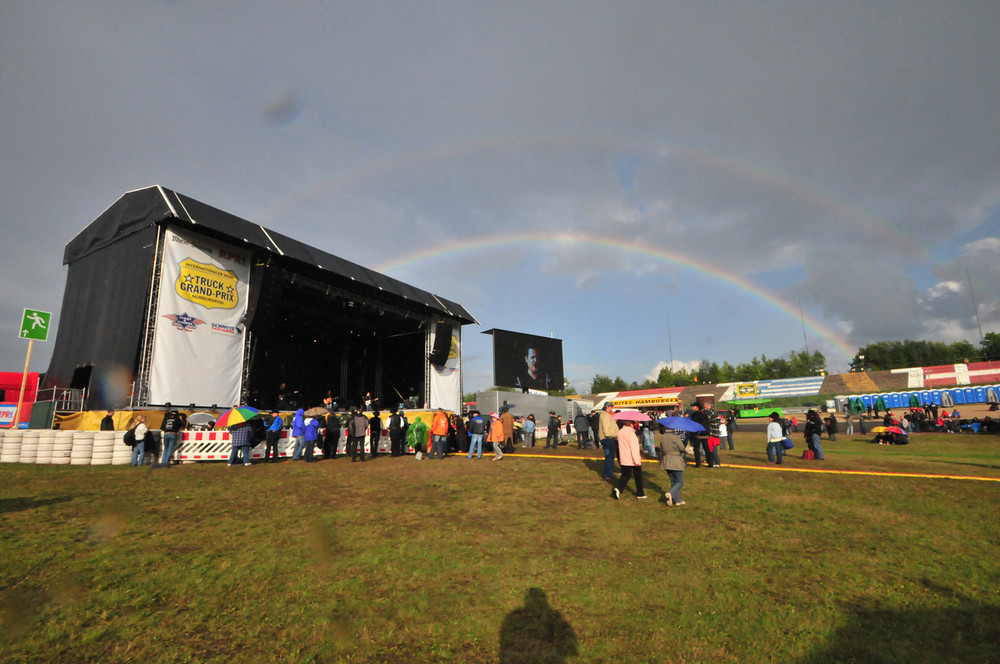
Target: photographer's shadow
{"points": [[536, 632]]}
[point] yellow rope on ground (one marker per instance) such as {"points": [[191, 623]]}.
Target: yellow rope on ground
{"points": [[787, 470]]}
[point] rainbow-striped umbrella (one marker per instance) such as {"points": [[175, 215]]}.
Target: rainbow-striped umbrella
{"points": [[235, 416]]}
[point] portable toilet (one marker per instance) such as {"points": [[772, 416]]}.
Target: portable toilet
{"points": [[970, 395], [926, 398], [894, 401], [936, 397], [980, 395], [958, 396], [866, 401]]}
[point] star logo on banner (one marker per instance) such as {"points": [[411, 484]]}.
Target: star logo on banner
{"points": [[184, 322]]}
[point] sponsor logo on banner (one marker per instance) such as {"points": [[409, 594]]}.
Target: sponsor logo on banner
{"points": [[184, 322], [230, 330], [746, 390], [7, 414], [207, 285]]}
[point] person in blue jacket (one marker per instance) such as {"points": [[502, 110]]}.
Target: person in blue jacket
{"points": [[272, 437], [298, 433], [311, 436]]}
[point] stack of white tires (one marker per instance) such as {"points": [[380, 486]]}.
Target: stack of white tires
{"points": [[29, 446], [121, 453], [104, 448], [62, 447], [46, 443], [11, 450], [83, 448]]}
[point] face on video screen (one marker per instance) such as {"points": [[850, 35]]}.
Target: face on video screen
{"points": [[527, 361]]}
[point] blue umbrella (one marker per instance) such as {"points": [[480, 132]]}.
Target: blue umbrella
{"points": [[680, 424]]}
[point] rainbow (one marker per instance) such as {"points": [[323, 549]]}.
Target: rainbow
{"points": [[537, 239], [852, 218]]}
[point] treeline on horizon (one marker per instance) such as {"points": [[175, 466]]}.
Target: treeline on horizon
{"points": [[878, 356]]}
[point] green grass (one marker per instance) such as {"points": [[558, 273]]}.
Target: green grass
{"points": [[523, 560]]}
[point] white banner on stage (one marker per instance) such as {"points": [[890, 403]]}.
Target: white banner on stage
{"points": [[199, 342], [446, 380]]}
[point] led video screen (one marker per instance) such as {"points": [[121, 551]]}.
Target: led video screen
{"points": [[527, 361]]}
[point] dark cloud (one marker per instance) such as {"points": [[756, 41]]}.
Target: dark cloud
{"points": [[844, 154]]}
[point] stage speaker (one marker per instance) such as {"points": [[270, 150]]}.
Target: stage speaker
{"points": [[442, 345]]}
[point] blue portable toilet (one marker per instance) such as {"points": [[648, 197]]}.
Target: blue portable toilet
{"points": [[970, 395], [980, 395], [894, 401], [936, 397], [866, 399], [926, 398], [958, 396]]}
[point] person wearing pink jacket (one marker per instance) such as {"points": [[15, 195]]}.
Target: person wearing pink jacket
{"points": [[630, 460]]}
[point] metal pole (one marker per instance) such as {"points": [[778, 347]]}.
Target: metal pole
{"points": [[24, 381]]}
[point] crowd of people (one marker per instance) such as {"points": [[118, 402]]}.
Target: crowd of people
{"points": [[623, 442]]}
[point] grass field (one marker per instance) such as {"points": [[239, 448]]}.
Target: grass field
{"points": [[528, 559]]}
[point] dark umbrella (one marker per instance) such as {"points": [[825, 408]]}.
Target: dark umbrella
{"points": [[681, 424]]}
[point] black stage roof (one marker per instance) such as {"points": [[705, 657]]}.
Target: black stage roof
{"points": [[149, 206]]}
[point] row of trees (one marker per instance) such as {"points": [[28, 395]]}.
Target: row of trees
{"points": [[885, 355], [795, 365], [878, 356]]}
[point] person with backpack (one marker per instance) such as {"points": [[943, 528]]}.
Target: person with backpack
{"points": [[139, 434]]}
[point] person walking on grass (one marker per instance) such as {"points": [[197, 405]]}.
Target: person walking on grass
{"points": [[496, 436], [630, 458], [672, 460], [607, 430], [775, 439]]}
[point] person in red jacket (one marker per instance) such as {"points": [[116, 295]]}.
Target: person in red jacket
{"points": [[496, 436], [439, 433]]}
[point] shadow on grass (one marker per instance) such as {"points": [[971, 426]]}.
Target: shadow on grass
{"points": [[966, 633], [596, 466], [8, 505], [536, 632]]}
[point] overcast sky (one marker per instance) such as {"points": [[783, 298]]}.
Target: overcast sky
{"points": [[650, 182]]}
